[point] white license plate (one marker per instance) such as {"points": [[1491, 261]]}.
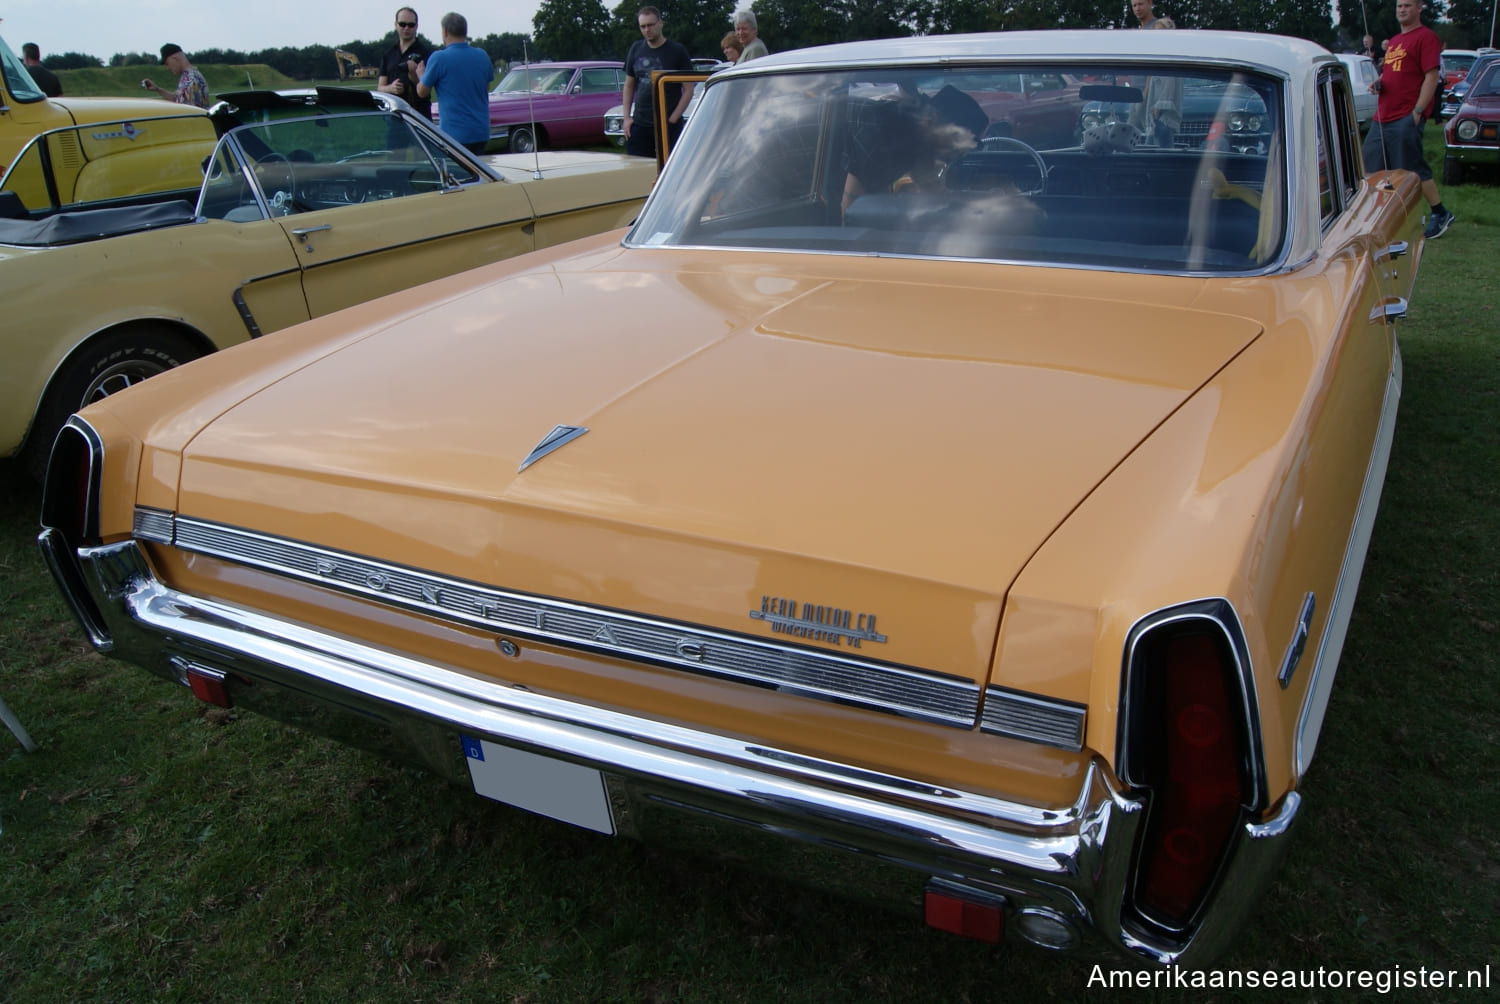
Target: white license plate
{"points": [[539, 784]]}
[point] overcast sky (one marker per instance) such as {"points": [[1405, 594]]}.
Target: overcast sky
{"points": [[102, 28]]}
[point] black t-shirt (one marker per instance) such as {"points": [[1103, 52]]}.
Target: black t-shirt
{"points": [[641, 60], [394, 66], [46, 80]]}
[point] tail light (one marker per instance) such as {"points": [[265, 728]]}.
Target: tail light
{"points": [[1189, 741]]}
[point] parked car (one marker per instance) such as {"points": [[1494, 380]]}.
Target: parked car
{"points": [[1362, 75], [1472, 134], [1454, 96], [614, 119], [988, 517], [1456, 64], [1174, 110], [311, 202], [543, 105], [25, 111]]}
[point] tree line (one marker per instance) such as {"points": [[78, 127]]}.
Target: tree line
{"points": [[586, 29]]}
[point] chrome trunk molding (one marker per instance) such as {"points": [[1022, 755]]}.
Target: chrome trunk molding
{"points": [[808, 672]]}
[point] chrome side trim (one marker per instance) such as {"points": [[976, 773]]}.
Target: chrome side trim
{"points": [[809, 672], [1325, 667], [1034, 719]]}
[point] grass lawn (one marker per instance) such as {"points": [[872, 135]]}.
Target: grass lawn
{"points": [[156, 848]]}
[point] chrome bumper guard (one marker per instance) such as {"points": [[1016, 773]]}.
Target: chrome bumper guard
{"points": [[1068, 864]]}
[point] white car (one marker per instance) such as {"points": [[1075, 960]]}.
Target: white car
{"points": [[614, 119], [1362, 74]]}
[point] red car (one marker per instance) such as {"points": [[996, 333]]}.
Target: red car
{"points": [[1473, 133]]}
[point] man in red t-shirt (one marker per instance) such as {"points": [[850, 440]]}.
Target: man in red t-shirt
{"points": [[1408, 88]]}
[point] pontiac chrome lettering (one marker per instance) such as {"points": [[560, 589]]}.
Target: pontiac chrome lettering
{"points": [[816, 622]]}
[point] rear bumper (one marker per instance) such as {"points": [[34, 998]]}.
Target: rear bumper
{"points": [[1070, 865]]}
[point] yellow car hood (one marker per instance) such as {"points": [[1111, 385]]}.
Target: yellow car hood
{"points": [[763, 430]]}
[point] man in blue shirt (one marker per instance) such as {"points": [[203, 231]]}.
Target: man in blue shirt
{"points": [[461, 75]]}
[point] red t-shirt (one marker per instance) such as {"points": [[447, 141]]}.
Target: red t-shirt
{"points": [[1409, 57]]}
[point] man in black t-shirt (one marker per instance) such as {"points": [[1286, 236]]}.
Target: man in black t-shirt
{"points": [[31, 55], [398, 64], [653, 51]]}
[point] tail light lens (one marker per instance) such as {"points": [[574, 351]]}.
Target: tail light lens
{"points": [[1189, 742]]}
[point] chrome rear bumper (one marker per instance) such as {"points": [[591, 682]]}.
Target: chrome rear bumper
{"points": [[1070, 864]]}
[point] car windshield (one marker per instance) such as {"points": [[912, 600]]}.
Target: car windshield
{"points": [[1488, 84], [17, 80], [535, 79], [1158, 169], [324, 162], [1454, 63]]}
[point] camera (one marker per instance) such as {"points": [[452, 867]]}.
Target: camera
{"points": [[146, 83]]}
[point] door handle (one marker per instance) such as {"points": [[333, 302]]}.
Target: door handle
{"points": [[1396, 250], [305, 232], [1391, 310]]}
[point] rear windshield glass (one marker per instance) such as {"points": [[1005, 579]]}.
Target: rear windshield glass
{"points": [[1163, 169]]}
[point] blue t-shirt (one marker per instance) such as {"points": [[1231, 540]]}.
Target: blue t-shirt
{"points": [[461, 75]]}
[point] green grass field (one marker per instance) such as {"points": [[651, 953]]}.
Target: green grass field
{"points": [[125, 81], [158, 849]]}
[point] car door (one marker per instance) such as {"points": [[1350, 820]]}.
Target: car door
{"points": [[371, 208], [1340, 457]]}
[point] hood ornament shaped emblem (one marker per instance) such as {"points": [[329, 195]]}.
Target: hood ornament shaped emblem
{"points": [[558, 437]]}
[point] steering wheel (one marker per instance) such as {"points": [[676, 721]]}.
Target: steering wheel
{"points": [[992, 142], [284, 200]]}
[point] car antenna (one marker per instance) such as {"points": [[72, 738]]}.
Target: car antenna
{"points": [[536, 158], [1374, 119]]}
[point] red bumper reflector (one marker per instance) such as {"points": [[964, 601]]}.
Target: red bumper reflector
{"points": [[208, 685], [964, 917]]}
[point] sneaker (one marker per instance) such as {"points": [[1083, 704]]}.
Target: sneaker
{"points": [[1438, 225]]}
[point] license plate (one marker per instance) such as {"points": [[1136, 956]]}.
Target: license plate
{"points": [[548, 787]]}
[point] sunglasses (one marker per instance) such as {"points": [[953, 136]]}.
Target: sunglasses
{"points": [[406, 24]]}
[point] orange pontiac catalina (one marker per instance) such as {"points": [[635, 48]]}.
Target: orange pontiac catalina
{"points": [[901, 483]]}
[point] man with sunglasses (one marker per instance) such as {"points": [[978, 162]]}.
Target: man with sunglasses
{"points": [[652, 51], [398, 67]]}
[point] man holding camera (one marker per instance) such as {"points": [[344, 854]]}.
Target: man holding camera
{"points": [[398, 67], [192, 89]]}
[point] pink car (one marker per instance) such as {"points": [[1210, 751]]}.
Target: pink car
{"points": [[538, 105]]}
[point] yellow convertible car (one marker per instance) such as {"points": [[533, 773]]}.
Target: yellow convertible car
{"points": [[930, 475], [127, 248]]}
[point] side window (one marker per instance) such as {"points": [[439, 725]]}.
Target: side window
{"points": [[1340, 166], [1328, 206], [599, 81]]}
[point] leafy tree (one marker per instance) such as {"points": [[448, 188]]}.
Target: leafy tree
{"points": [[507, 47], [796, 24], [571, 29], [699, 26], [1471, 24], [71, 61]]}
